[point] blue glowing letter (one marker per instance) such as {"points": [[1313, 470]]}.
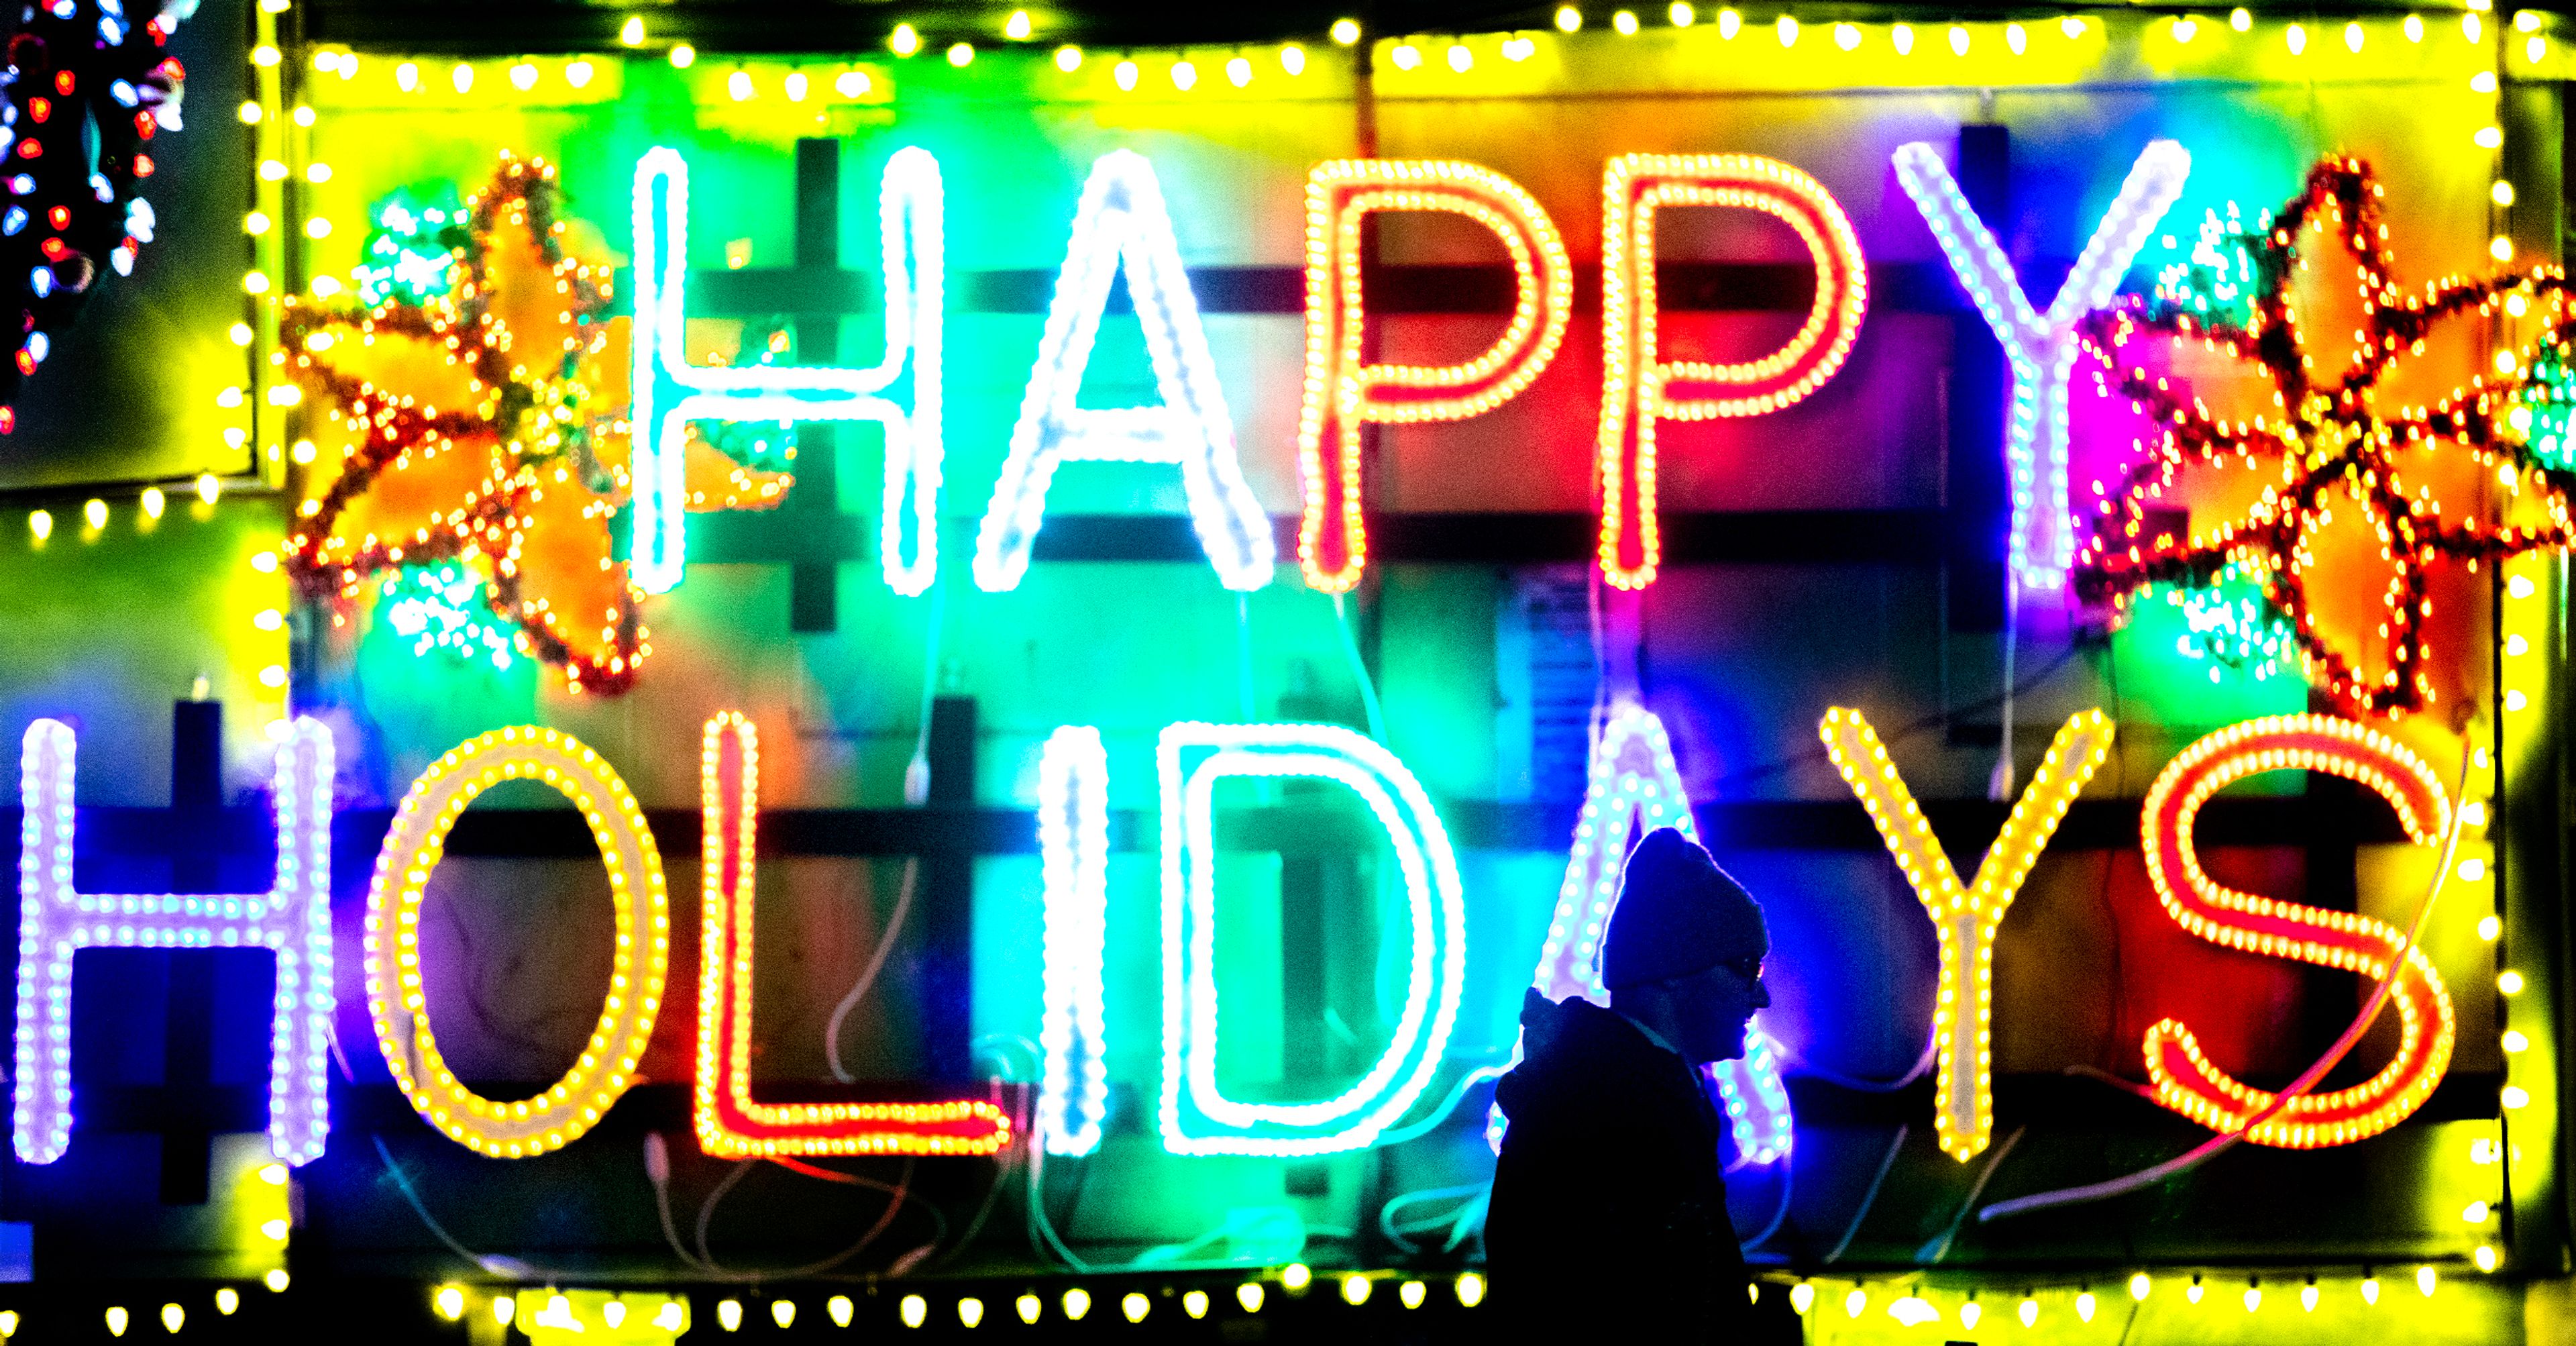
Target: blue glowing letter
{"points": [[1635, 784], [292, 921], [2041, 346], [1122, 222]]}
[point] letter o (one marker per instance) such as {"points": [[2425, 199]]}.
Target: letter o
{"points": [[397, 1000]]}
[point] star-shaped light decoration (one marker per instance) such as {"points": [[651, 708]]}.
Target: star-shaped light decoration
{"points": [[486, 426], [2349, 448]]}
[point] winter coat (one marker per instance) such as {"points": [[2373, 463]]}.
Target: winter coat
{"points": [[1609, 1209]]}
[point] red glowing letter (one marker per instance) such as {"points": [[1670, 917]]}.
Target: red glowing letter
{"points": [[1343, 392], [1639, 388], [2185, 1079], [728, 1121]]}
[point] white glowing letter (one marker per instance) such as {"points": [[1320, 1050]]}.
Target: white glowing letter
{"points": [[291, 921], [669, 392], [2041, 346], [1122, 223], [1437, 958], [1636, 784], [1073, 836], [1966, 916]]}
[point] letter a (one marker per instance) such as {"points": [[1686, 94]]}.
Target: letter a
{"points": [[1966, 916], [1121, 223]]}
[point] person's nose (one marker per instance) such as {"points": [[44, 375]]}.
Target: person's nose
{"points": [[1761, 994]]}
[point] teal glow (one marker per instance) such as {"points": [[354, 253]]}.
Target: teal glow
{"points": [[442, 608], [2548, 408], [2211, 276], [412, 236]]}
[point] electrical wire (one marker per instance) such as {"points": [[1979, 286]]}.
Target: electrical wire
{"points": [[1359, 671], [494, 1264], [1396, 1230], [1788, 1182], [868, 975], [1869, 1198], [1448, 1105], [1737, 779], [899, 1192], [2316, 1071], [1939, 1248], [1921, 1067]]}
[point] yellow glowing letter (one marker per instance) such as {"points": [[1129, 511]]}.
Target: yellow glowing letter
{"points": [[398, 1001], [1966, 916]]}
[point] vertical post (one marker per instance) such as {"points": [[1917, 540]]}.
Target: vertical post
{"points": [[1977, 495], [948, 897], [813, 587], [188, 1032]]}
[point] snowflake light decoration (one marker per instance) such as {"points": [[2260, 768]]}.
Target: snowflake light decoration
{"points": [[485, 423], [2368, 456]]}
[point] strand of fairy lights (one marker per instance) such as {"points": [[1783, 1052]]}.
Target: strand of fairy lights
{"points": [[292, 920], [2183, 1077], [1344, 391], [1122, 225], [1435, 965], [1073, 843], [1639, 388], [397, 991], [1968, 916], [728, 1121]]}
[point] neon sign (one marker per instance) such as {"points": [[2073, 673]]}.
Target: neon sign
{"points": [[1966, 916], [2041, 346], [1122, 223], [1634, 782]]}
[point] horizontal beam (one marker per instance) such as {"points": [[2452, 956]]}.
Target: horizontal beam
{"points": [[1900, 537], [1964, 826], [2036, 1099], [1391, 289]]}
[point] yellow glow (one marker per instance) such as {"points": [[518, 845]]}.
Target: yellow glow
{"points": [[397, 994], [2185, 28], [1681, 14], [904, 40], [1016, 28], [961, 54], [1966, 917], [2509, 982], [2489, 928], [2502, 194], [2297, 37], [1787, 28], [1346, 32], [1185, 75], [683, 56], [632, 31], [1569, 19], [251, 112], [2414, 28], [2240, 19], [1068, 58], [2485, 1256], [1624, 23]]}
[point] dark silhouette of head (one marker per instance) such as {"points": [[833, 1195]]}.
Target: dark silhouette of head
{"points": [[1683, 955]]}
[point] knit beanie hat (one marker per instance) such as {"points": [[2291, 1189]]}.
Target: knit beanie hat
{"points": [[1678, 913]]}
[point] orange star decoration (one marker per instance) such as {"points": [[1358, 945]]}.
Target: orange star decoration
{"points": [[2349, 447], [488, 426]]}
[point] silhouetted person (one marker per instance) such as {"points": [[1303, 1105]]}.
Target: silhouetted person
{"points": [[1609, 1209]]}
